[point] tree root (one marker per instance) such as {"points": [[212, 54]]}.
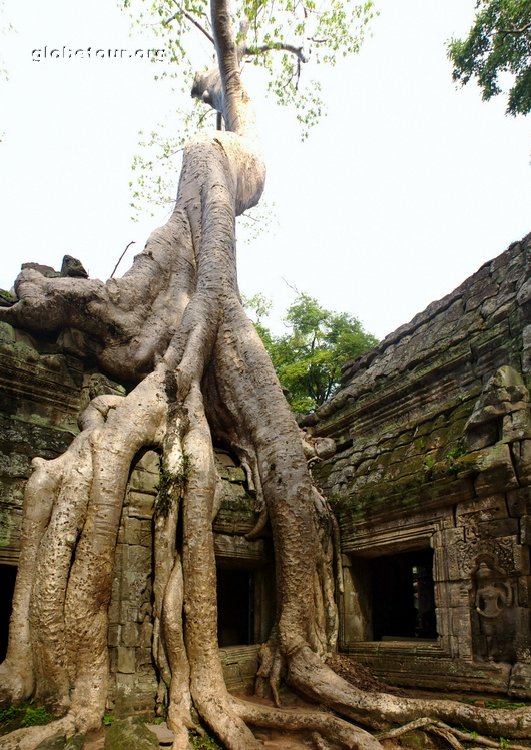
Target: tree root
{"points": [[176, 324], [30, 737], [321, 723], [453, 736]]}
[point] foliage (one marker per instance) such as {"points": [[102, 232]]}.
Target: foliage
{"points": [[499, 41], [428, 466], [27, 715], [168, 483], [503, 703], [308, 359], [277, 38], [203, 742]]}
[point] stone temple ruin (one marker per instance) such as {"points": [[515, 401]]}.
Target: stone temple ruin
{"points": [[430, 484]]}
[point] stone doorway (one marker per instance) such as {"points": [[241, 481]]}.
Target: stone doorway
{"points": [[8, 574]]}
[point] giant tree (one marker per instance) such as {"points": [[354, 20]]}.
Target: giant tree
{"points": [[174, 328]]}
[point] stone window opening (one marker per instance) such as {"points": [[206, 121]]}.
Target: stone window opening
{"points": [[8, 574], [389, 597], [403, 602], [246, 603], [235, 594]]}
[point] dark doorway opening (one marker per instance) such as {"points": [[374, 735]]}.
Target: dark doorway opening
{"points": [[8, 574], [235, 592], [403, 605]]}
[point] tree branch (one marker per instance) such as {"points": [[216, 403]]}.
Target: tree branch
{"points": [[121, 256], [236, 104], [192, 20], [516, 32], [262, 48]]}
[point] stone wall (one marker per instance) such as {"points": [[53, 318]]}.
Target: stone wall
{"points": [[432, 470], [43, 389], [433, 431], [41, 392]]}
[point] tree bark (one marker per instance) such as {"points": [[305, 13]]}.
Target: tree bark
{"points": [[174, 325]]}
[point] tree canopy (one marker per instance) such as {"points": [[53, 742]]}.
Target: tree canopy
{"points": [[498, 42], [281, 46], [308, 358]]}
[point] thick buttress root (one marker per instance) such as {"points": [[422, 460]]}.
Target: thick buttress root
{"points": [[175, 325], [72, 513]]}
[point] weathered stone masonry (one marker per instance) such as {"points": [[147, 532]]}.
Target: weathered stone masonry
{"points": [[44, 386], [430, 484], [433, 471]]}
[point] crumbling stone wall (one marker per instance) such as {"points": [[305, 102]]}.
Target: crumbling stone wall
{"points": [[44, 386], [433, 438], [42, 390], [433, 430]]}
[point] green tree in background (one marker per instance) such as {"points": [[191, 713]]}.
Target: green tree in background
{"points": [[309, 356], [499, 41]]}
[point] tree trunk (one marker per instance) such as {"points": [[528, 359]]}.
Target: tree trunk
{"points": [[174, 324]]}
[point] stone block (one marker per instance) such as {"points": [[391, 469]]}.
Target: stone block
{"points": [[144, 659], [520, 681], [140, 504], [455, 561], [523, 591], [440, 566], [502, 527], [460, 622], [129, 635], [459, 594], [443, 622], [526, 353], [150, 462], [113, 637], [482, 509], [132, 528], [522, 460], [239, 548], [496, 471], [146, 533], [114, 611], [124, 690], [516, 425], [133, 614], [465, 647], [137, 558], [454, 646], [442, 594], [236, 474], [144, 481], [521, 559], [450, 537], [129, 734], [525, 530], [146, 634], [113, 659], [519, 502], [126, 660], [124, 613]]}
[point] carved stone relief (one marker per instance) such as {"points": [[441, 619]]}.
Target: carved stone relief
{"points": [[493, 612]]}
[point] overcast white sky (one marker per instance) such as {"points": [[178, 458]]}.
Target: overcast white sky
{"points": [[403, 191]]}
